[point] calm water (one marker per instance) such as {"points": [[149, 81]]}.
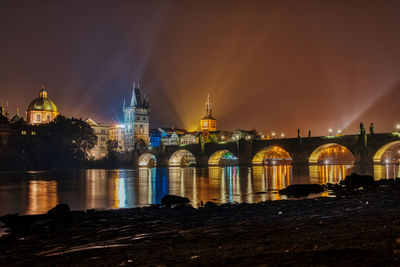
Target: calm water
{"points": [[37, 192]]}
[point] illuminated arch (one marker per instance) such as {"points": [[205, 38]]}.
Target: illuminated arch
{"points": [[223, 157], [378, 155], [182, 157], [271, 153], [147, 160], [318, 152]]}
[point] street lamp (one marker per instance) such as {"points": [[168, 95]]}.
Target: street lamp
{"points": [[282, 135], [398, 127], [273, 134], [330, 132], [339, 131]]}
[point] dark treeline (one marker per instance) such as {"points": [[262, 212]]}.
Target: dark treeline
{"points": [[61, 144]]}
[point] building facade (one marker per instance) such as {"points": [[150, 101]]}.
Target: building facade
{"points": [[5, 130], [208, 122], [136, 121], [155, 138], [187, 139], [117, 133], [42, 109], [244, 134], [102, 132]]}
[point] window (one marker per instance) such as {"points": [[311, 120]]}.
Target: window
{"points": [[103, 131], [33, 133], [48, 118], [103, 138], [38, 117], [23, 132], [141, 129]]}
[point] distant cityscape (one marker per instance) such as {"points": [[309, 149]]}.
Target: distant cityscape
{"points": [[133, 133]]}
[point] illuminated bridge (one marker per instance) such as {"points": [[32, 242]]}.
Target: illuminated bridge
{"points": [[362, 149]]}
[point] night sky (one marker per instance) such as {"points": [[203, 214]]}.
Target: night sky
{"points": [[272, 65]]}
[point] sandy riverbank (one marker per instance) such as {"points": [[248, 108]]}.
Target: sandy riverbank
{"points": [[363, 229]]}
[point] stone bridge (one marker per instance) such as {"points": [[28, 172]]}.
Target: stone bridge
{"points": [[365, 149]]}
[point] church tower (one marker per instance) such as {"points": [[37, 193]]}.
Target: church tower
{"points": [[136, 121], [208, 122]]}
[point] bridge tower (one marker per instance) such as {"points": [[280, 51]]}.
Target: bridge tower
{"points": [[136, 121]]}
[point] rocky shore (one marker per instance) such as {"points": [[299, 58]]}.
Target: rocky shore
{"points": [[361, 226]]}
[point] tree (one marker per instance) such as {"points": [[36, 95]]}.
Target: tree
{"points": [[67, 142]]}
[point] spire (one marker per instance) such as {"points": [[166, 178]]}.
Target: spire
{"points": [[133, 98], [208, 106], [144, 100]]}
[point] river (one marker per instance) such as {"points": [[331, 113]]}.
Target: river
{"points": [[36, 192]]}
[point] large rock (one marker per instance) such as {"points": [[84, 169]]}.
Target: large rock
{"points": [[210, 204], [301, 190], [169, 200], [60, 209], [356, 181]]}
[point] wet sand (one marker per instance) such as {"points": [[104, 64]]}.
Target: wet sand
{"points": [[362, 229]]}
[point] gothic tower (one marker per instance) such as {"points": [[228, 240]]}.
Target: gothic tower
{"points": [[208, 122], [136, 121]]}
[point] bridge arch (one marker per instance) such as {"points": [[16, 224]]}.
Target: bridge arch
{"points": [[271, 155], [224, 158], [147, 160], [378, 156], [182, 157], [333, 151]]}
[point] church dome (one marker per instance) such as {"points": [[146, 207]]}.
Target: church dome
{"points": [[42, 103]]}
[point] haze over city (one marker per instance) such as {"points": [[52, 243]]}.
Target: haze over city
{"points": [[272, 65]]}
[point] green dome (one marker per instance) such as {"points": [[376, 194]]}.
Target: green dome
{"points": [[42, 103]]}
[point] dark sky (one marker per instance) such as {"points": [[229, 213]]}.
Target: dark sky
{"points": [[272, 65]]}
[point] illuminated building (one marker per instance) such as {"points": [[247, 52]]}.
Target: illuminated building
{"points": [[155, 138], [102, 133], [187, 139], [208, 122], [117, 133], [42, 109], [136, 121], [171, 136], [243, 134]]}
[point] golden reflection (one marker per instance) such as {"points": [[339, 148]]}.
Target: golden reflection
{"points": [[322, 174], [42, 196], [143, 186], [117, 189], [386, 171]]}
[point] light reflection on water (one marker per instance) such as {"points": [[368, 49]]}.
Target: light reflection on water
{"points": [[37, 192]]}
